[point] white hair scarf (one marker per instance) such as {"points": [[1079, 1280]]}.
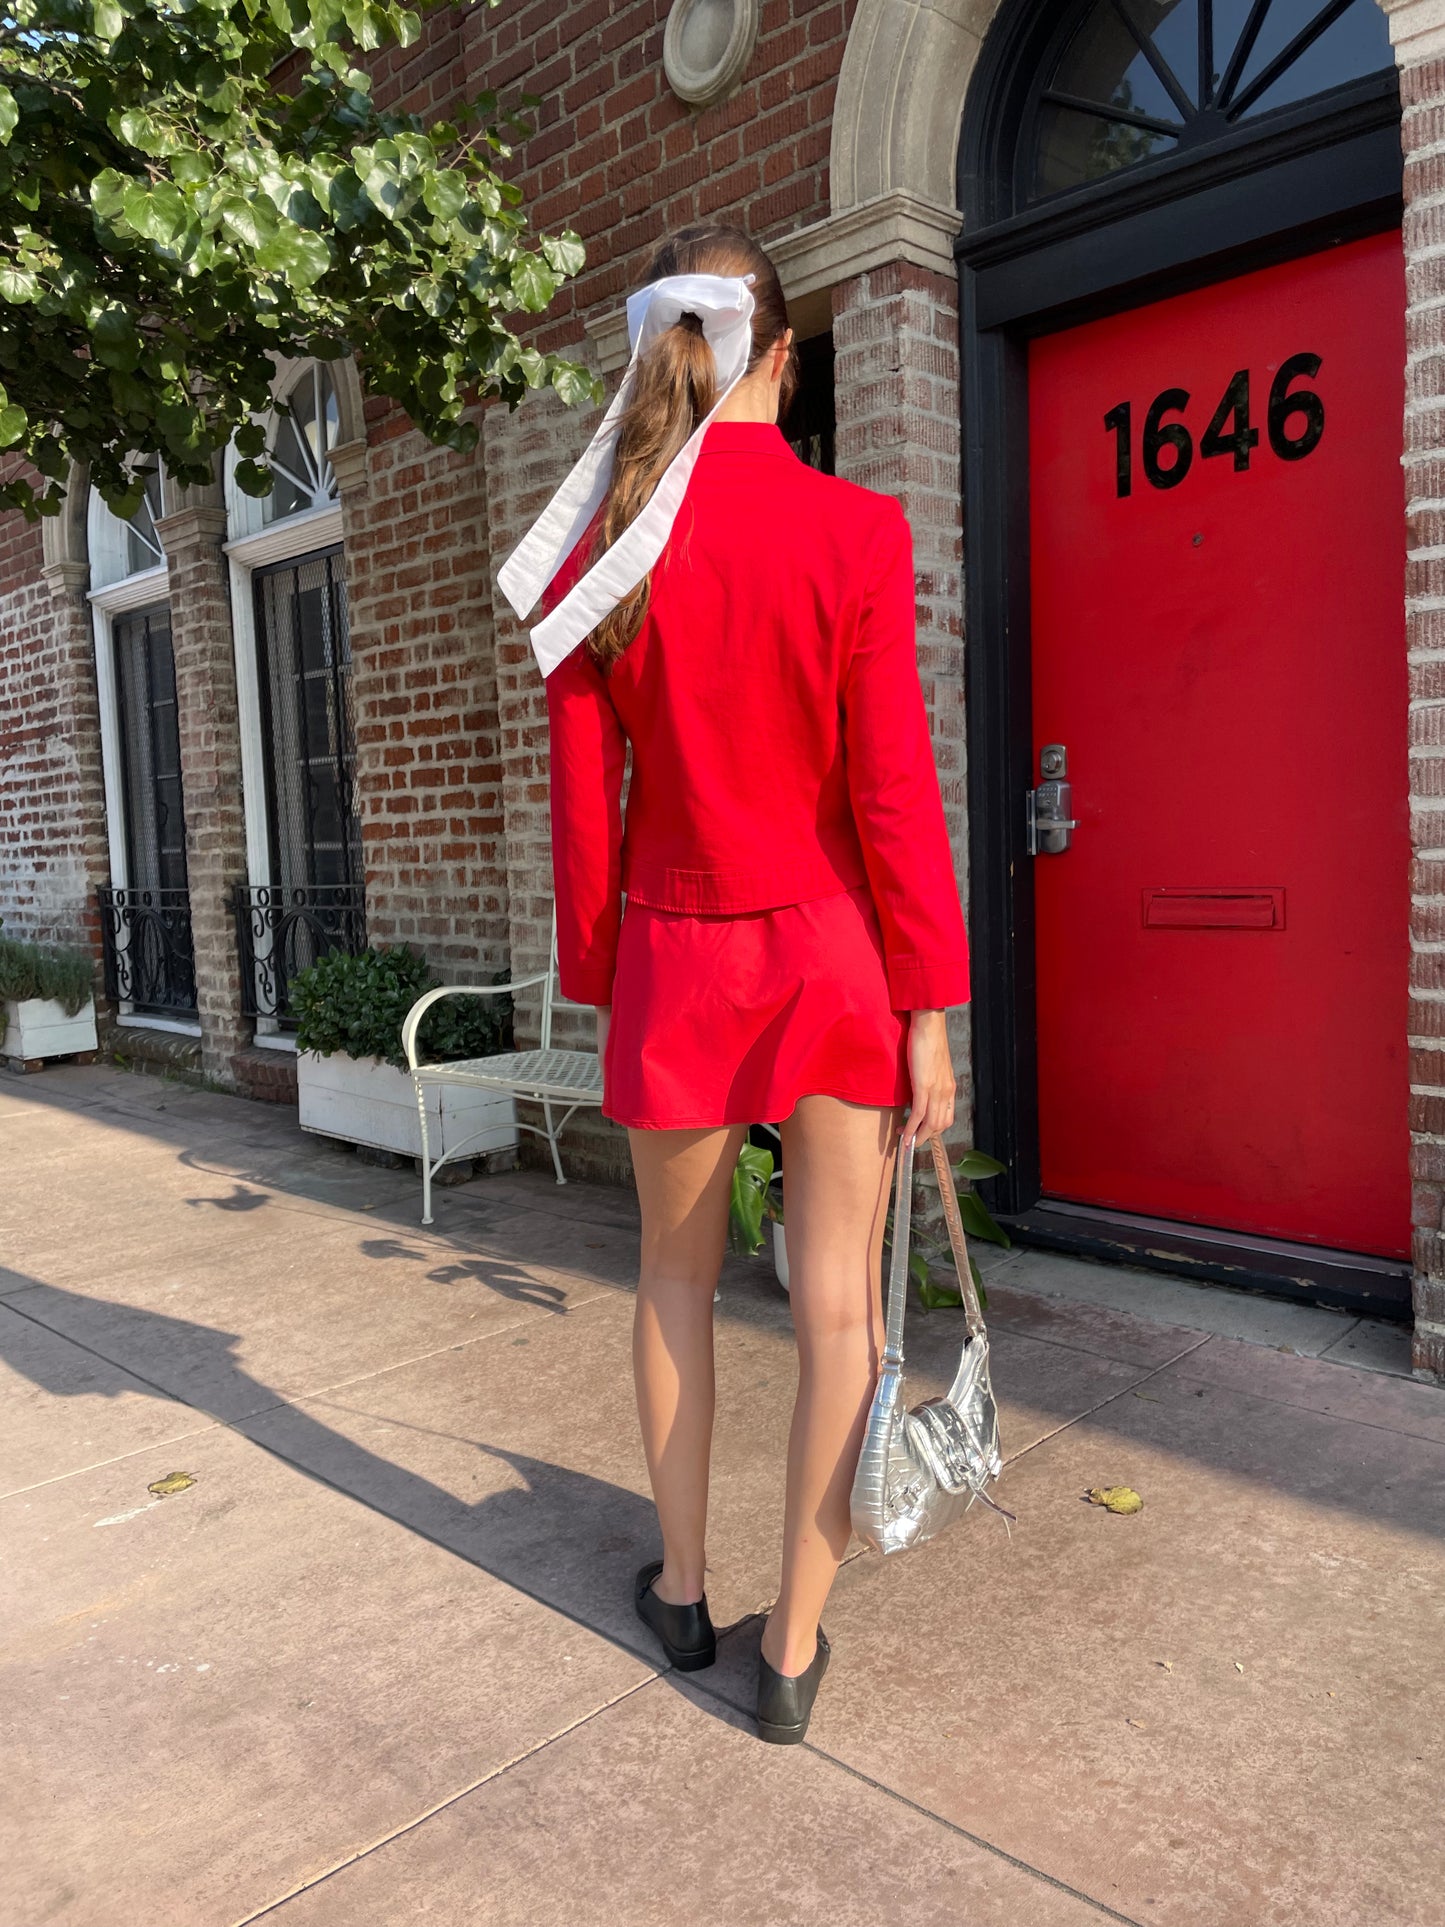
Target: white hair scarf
{"points": [[724, 305]]}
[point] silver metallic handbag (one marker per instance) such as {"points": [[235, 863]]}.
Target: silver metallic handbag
{"points": [[920, 1470]]}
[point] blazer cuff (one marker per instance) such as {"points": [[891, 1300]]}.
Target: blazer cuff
{"points": [[915, 985], [586, 983]]}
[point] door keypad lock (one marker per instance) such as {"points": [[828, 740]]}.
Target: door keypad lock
{"points": [[1051, 824]]}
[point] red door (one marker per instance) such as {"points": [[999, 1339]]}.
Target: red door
{"points": [[1218, 579]]}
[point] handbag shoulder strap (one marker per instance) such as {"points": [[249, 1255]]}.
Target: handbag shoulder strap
{"points": [[902, 1236], [948, 1192]]}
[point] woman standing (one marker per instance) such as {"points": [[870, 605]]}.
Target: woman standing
{"points": [[792, 932]]}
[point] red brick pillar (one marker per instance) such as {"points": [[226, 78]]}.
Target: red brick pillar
{"points": [[428, 771], [66, 851], [896, 390], [210, 739], [1422, 96]]}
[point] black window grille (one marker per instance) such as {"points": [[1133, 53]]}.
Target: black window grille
{"points": [[150, 961], [809, 425], [1130, 81], [303, 650]]}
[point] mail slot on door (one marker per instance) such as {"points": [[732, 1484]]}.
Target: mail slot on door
{"points": [[1214, 909]]}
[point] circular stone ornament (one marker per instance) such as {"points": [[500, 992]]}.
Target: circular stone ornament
{"points": [[706, 46]]}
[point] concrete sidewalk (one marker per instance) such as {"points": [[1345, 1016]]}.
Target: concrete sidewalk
{"points": [[377, 1664]]}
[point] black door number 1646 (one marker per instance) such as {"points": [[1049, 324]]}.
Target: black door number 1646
{"points": [[1284, 407]]}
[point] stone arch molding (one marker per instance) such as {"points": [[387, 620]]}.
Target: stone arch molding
{"points": [[899, 105]]}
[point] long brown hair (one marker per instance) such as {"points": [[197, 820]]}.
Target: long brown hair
{"points": [[674, 387]]}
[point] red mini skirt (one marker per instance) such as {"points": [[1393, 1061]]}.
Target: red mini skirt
{"points": [[730, 1019]]}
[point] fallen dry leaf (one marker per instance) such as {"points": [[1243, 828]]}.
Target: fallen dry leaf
{"points": [[172, 1482], [1115, 1498]]}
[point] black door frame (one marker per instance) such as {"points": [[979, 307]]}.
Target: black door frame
{"points": [[1319, 175]]}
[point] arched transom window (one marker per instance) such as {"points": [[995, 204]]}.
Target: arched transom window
{"points": [[120, 549], [301, 442], [1140, 80]]}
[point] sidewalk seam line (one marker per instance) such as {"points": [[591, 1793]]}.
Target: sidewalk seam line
{"points": [[462, 1793], [99, 1465], [974, 1839], [280, 1402], [382, 1512], [1123, 1392], [1335, 1418], [915, 1806]]}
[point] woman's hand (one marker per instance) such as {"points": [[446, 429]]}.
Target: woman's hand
{"points": [[603, 1014], [930, 1065]]}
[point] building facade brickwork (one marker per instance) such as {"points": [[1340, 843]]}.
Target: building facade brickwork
{"points": [[836, 151], [52, 801], [1422, 99]]}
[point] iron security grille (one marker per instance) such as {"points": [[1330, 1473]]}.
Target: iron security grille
{"points": [[150, 963], [155, 825], [304, 661], [280, 931]]}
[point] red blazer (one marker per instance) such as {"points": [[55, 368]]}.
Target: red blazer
{"points": [[780, 745]]}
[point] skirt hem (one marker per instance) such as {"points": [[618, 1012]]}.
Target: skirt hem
{"points": [[724, 1123]]}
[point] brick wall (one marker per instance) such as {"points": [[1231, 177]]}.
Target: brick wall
{"points": [[208, 722], [617, 156], [52, 847], [1422, 91], [896, 376], [424, 688]]}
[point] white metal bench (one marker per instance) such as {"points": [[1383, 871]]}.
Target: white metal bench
{"points": [[546, 1076]]}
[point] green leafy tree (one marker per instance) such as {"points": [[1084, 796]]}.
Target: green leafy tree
{"points": [[191, 187]]}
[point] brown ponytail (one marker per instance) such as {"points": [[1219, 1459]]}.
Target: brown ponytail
{"points": [[674, 387]]}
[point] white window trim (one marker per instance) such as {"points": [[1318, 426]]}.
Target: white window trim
{"points": [[131, 1020], [133, 592], [312, 529], [298, 535]]}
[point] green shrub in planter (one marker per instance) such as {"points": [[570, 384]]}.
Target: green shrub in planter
{"points": [[357, 1005], [54, 972]]}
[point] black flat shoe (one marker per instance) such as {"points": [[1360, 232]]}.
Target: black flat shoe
{"points": [[785, 1701], [685, 1631]]}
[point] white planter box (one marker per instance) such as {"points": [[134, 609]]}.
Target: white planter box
{"points": [[40, 1028], [366, 1101]]}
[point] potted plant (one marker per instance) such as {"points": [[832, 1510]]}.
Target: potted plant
{"points": [[754, 1199], [49, 1008], [351, 1075]]}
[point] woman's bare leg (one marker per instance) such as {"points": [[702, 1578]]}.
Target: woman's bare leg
{"points": [[684, 1181], [837, 1168]]}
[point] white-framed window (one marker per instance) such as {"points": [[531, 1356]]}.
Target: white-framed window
{"points": [[301, 431], [146, 916], [293, 674]]}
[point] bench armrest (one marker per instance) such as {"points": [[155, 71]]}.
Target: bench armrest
{"points": [[412, 1021]]}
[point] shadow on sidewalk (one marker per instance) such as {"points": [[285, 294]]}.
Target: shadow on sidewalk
{"points": [[567, 1539]]}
